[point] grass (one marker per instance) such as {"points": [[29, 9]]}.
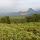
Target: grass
{"points": [[20, 31]]}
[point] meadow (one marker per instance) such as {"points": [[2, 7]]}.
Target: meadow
{"points": [[19, 29]]}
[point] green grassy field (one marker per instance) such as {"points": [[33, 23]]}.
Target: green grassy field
{"points": [[20, 31]]}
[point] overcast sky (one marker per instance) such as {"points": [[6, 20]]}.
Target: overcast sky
{"points": [[17, 5]]}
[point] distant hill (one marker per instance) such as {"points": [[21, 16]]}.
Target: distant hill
{"points": [[29, 12], [32, 11]]}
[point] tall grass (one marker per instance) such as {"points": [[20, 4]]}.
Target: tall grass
{"points": [[17, 28], [21, 31]]}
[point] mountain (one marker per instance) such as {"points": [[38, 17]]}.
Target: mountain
{"points": [[13, 14], [29, 12], [10, 14], [32, 11]]}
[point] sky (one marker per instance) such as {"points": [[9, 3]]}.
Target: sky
{"points": [[18, 5]]}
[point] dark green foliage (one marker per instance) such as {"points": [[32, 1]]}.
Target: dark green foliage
{"points": [[19, 20], [8, 20], [29, 19], [5, 19], [35, 31], [33, 18]]}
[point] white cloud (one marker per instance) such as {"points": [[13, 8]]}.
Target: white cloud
{"points": [[19, 4]]}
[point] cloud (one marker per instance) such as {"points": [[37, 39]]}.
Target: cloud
{"points": [[16, 5]]}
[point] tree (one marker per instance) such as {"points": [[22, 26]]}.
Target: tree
{"points": [[5, 20]]}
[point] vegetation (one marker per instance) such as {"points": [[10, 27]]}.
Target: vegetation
{"points": [[20, 19], [21, 31], [20, 27], [5, 20]]}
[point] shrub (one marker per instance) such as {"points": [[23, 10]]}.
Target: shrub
{"points": [[5, 20]]}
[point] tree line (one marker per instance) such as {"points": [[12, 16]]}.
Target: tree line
{"points": [[33, 18]]}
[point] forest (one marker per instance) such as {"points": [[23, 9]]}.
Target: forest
{"points": [[20, 19]]}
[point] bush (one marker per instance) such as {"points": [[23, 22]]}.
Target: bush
{"points": [[33, 18], [5, 20]]}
